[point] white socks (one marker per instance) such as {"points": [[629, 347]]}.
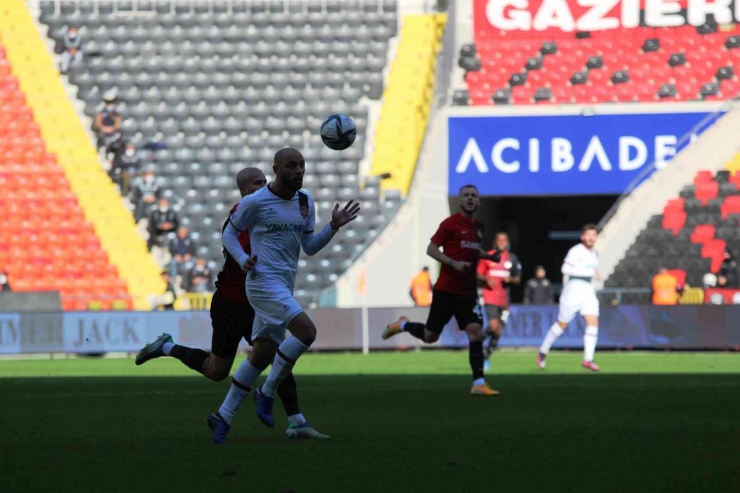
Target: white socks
{"points": [[479, 381], [167, 347], [552, 334], [287, 354], [296, 420], [589, 343], [241, 386], [403, 325]]}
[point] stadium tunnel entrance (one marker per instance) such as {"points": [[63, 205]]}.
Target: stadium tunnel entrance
{"points": [[541, 229]]}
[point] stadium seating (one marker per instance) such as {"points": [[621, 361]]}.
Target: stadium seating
{"points": [[225, 84], [43, 227], [621, 65], [690, 237], [64, 136]]}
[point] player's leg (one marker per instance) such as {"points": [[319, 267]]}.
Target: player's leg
{"points": [[440, 312], [193, 358], [566, 312], [496, 319], [281, 313], [225, 343], [303, 333], [590, 312], [469, 317], [262, 354]]}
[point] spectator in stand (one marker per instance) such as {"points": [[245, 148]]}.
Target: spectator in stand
{"points": [[71, 49], [162, 221], [108, 123], [4, 283], [665, 288], [728, 270], [421, 288], [166, 300], [722, 282], [146, 192], [182, 248], [538, 290], [125, 166], [200, 277]]}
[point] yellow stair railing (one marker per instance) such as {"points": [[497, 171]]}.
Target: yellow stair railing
{"points": [[407, 100]]}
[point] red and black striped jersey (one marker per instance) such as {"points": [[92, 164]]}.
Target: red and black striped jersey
{"points": [[231, 280]]}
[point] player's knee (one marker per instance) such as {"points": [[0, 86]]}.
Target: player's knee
{"points": [[303, 329], [430, 337], [475, 332], [494, 327], [308, 335], [219, 374]]}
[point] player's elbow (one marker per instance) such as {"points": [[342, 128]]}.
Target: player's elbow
{"points": [[309, 250]]}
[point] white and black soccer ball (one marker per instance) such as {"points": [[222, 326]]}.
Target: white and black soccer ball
{"points": [[338, 132]]}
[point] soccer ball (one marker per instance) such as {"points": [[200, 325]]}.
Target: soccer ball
{"points": [[338, 132]]}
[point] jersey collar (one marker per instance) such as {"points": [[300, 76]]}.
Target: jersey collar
{"points": [[276, 195]]}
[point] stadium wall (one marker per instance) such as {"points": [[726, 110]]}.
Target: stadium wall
{"points": [[680, 327]]}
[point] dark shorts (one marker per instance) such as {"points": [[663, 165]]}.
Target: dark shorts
{"points": [[465, 309], [494, 312], [231, 321]]}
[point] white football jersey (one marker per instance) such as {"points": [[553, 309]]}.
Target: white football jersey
{"points": [[277, 230], [581, 262]]}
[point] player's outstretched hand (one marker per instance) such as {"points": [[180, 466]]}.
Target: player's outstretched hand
{"points": [[341, 217], [249, 263], [459, 265]]}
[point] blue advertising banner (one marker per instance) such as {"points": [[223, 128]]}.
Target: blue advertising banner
{"points": [[563, 154], [625, 326]]}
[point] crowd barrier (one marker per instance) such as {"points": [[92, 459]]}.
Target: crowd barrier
{"points": [[623, 326]]}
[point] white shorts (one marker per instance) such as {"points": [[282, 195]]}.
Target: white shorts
{"points": [[273, 311], [577, 297]]}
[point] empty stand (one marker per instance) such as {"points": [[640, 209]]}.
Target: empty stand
{"points": [[224, 85], [621, 65]]}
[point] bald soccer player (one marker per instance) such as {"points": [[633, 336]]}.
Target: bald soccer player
{"points": [[232, 317], [280, 219]]}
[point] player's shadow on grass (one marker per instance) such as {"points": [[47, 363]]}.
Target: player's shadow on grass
{"points": [[110, 433]]}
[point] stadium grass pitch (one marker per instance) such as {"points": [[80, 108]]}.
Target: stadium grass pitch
{"points": [[399, 422]]}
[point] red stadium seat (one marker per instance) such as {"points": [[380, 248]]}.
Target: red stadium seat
{"points": [[674, 222], [702, 233], [674, 205], [735, 179], [706, 191], [731, 205], [680, 276], [620, 49], [703, 176], [714, 250]]}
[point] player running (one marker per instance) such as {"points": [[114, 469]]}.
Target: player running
{"points": [[497, 276], [231, 318], [581, 266], [280, 220], [455, 293]]}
